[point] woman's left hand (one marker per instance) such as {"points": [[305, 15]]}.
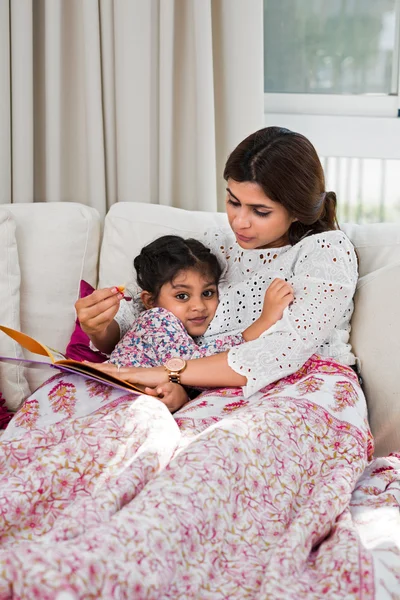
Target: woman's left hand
{"points": [[148, 376]]}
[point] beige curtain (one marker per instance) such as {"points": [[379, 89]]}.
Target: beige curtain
{"points": [[126, 100]]}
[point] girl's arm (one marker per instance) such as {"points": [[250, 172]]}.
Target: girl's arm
{"points": [[107, 339], [104, 319]]}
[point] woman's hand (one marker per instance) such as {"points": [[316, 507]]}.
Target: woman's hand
{"points": [[155, 380], [171, 394], [148, 376]]}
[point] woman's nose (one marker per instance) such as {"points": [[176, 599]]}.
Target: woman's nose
{"points": [[242, 221]]}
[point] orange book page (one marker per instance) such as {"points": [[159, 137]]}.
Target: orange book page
{"points": [[29, 343], [36, 347]]}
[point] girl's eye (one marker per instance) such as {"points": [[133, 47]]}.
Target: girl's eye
{"points": [[261, 214], [209, 293], [182, 296], [232, 203]]}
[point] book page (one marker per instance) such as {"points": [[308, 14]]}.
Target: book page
{"points": [[31, 344], [89, 371]]}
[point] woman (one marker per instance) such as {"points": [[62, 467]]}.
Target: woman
{"points": [[245, 492], [276, 200]]}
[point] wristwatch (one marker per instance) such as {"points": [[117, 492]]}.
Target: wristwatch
{"points": [[174, 367]]}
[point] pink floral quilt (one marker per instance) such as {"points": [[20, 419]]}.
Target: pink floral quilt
{"points": [[107, 495]]}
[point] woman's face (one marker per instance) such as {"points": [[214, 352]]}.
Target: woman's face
{"points": [[255, 219]]}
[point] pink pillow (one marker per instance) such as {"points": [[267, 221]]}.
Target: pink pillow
{"points": [[5, 414], [78, 347]]}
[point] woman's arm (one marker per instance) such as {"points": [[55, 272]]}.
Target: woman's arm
{"points": [[210, 371]]}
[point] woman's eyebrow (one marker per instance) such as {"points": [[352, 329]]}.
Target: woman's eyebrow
{"points": [[253, 205], [233, 195]]}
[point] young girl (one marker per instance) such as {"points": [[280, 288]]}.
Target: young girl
{"points": [[178, 279]]}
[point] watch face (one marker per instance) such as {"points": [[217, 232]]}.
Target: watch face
{"points": [[175, 364]]}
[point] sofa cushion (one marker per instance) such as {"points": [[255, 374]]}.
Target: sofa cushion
{"points": [[58, 245], [13, 384], [376, 341], [377, 244], [131, 225]]}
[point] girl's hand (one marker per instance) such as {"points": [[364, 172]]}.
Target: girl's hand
{"points": [[171, 394], [148, 376], [277, 297], [97, 311]]}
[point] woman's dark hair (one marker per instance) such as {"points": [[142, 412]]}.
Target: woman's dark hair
{"points": [[286, 166], [160, 261]]}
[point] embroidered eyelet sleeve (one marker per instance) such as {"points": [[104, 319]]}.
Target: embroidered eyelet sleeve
{"points": [[324, 277], [129, 311]]}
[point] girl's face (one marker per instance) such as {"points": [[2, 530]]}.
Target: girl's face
{"points": [[191, 297], [255, 219]]}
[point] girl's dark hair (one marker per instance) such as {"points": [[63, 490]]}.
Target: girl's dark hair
{"points": [[160, 261], [286, 166]]}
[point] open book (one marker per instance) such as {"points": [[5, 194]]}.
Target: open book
{"points": [[55, 359]]}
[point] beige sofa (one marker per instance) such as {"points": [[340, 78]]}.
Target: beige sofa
{"points": [[46, 249]]}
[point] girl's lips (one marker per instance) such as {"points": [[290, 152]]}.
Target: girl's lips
{"points": [[243, 238], [198, 320]]}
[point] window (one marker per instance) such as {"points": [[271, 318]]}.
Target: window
{"points": [[331, 71], [368, 189]]}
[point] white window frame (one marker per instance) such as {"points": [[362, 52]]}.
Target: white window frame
{"points": [[364, 126], [368, 105]]}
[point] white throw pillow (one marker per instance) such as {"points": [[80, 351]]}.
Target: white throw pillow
{"points": [[13, 384], [58, 245], [376, 341], [131, 225], [377, 244]]}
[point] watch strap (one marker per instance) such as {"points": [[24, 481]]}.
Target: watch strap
{"points": [[174, 377]]}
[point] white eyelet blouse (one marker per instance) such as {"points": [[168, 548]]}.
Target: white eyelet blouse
{"points": [[322, 269]]}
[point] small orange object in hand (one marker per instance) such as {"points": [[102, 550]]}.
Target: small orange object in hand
{"points": [[121, 288]]}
